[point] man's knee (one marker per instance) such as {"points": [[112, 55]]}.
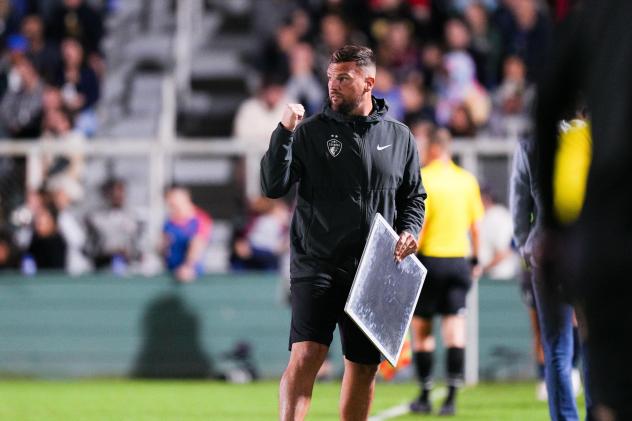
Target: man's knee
{"points": [[423, 340], [365, 371], [307, 356]]}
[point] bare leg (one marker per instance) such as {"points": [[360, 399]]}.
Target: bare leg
{"points": [[423, 340], [537, 339], [453, 331], [356, 396], [297, 383]]}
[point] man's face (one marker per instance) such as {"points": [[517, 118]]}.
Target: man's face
{"points": [[347, 83]]}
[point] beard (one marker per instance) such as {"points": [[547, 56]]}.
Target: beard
{"points": [[346, 105]]}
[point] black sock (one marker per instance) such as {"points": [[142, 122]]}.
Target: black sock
{"points": [[423, 364], [455, 368]]}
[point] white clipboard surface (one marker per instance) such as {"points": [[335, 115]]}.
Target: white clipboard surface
{"points": [[384, 293]]}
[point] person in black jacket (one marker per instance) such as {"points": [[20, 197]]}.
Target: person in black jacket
{"points": [[592, 57], [47, 247], [350, 161]]}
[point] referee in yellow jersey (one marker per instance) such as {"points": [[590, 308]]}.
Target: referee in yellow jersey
{"points": [[448, 247]]}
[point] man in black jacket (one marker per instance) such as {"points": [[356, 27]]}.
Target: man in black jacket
{"points": [[350, 162]]}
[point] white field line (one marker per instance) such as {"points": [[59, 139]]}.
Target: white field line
{"points": [[403, 409]]}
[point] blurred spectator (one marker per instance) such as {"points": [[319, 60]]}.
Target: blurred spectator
{"points": [[485, 45], [495, 255], [387, 88], [44, 56], [526, 33], [114, 232], [21, 106], [459, 87], [302, 24], [513, 98], [65, 191], [75, 19], [303, 85], [461, 123], [459, 39], [384, 12], [23, 215], [186, 234], [48, 246], [257, 117], [9, 19], [334, 34], [457, 35], [263, 242], [58, 128], [415, 102], [79, 86], [354, 12], [51, 99], [9, 256], [431, 64], [461, 6], [422, 129], [396, 50], [515, 94], [275, 54]]}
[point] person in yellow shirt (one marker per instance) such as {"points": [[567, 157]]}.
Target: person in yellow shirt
{"points": [[448, 246]]}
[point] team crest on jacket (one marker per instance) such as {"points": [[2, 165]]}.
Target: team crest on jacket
{"points": [[334, 146]]}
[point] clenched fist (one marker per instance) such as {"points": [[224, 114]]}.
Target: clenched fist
{"points": [[292, 115]]}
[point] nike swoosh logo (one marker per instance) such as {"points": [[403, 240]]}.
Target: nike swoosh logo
{"points": [[381, 148]]}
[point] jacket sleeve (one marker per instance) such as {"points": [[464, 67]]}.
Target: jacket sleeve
{"points": [[280, 167], [411, 194], [520, 199]]}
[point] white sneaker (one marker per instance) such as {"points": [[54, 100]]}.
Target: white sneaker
{"points": [[540, 391], [576, 381]]}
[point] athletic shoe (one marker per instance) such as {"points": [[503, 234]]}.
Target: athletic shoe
{"points": [[420, 407], [541, 393], [447, 409], [576, 381]]}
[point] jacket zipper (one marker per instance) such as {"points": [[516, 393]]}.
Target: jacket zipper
{"points": [[364, 187]]}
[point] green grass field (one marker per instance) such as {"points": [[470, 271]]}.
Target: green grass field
{"points": [[25, 400]]}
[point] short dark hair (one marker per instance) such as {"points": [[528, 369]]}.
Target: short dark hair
{"points": [[361, 56], [441, 137]]}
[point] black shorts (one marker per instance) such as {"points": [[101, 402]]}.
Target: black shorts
{"points": [[446, 286], [317, 305]]}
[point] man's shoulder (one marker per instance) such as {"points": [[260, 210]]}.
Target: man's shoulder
{"points": [[464, 174], [398, 125]]}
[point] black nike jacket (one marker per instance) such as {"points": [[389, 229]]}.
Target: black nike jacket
{"points": [[347, 169]]}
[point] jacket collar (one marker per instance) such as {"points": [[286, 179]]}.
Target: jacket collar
{"points": [[380, 107]]}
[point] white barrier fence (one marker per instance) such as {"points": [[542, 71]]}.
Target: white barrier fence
{"points": [[160, 154]]}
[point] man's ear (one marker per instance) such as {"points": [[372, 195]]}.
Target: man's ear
{"points": [[369, 82]]}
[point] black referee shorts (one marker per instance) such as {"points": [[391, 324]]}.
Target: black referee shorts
{"points": [[317, 305], [446, 286]]}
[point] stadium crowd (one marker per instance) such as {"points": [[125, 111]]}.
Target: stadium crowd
{"points": [[468, 66], [51, 69]]}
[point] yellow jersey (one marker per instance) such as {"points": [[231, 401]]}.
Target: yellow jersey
{"points": [[453, 205]]}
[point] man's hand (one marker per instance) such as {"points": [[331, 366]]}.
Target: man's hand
{"points": [[406, 245], [292, 115]]}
